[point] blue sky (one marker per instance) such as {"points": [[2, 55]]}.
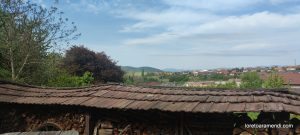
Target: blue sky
{"points": [[189, 34]]}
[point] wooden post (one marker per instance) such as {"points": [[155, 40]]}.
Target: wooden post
{"points": [[181, 124], [188, 130], [87, 125], [96, 128], [176, 128], [125, 129]]}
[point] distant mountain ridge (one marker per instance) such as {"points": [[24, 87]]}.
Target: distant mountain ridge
{"points": [[173, 70], [139, 69]]}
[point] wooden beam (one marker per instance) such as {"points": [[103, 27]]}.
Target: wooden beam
{"points": [[96, 128], [176, 128], [125, 129], [181, 124], [87, 124], [188, 130]]}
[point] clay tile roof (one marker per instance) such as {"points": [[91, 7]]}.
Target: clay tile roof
{"points": [[163, 99], [291, 78]]}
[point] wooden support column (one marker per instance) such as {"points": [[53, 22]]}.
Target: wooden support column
{"points": [[176, 127], [181, 124], [188, 130], [125, 129], [87, 124]]}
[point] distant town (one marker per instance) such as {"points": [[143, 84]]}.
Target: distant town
{"points": [[223, 77]]}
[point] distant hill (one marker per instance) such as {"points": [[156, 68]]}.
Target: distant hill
{"points": [[173, 70], [139, 69]]}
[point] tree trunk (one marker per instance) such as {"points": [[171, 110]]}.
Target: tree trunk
{"points": [[12, 64], [21, 68]]}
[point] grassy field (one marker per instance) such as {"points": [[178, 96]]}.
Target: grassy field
{"points": [[132, 73]]}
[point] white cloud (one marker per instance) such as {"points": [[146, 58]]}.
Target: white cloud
{"points": [[276, 2], [155, 39], [166, 19], [195, 33], [249, 47], [90, 6], [213, 5], [259, 23], [223, 5], [255, 23]]}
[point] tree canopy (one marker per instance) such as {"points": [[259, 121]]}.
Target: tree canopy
{"points": [[274, 81], [28, 32], [251, 80], [79, 59]]}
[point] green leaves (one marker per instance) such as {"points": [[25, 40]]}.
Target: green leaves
{"points": [[251, 80], [27, 33], [66, 80], [273, 81], [294, 116], [86, 79], [253, 115]]}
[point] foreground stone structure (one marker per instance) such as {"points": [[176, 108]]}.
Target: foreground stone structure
{"points": [[121, 110]]}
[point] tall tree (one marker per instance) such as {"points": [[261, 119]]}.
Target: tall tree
{"points": [[251, 80], [27, 32], [79, 59], [274, 81], [143, 72]]}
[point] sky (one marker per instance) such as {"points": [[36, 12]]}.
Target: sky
{"points": [[188, 34]]}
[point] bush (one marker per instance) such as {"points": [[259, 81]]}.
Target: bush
{"points": [[251, 80], [65, 80], [79, 59], [273, 81]]}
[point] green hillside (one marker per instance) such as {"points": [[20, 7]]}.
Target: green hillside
{"points": [[139, 69]]}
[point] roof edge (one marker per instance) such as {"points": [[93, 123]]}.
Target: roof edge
{"points": [[3, 81]]}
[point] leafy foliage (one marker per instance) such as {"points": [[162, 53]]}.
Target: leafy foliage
{"points": [[251, 80], [273, 81], [294, 116], [79, 59], [40, 73], [178, 78], [253, 115], [66, 80], [138, 69], [175, 78], [28, 31], [229, 85]]}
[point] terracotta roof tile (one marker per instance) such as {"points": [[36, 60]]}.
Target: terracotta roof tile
{"points": [[164, 99], [236, 107]]}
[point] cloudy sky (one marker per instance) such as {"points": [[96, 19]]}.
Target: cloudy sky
{"points": [[189, 34]]}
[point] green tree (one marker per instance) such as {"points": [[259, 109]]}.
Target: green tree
{"points": [[79, 59], [128, 80], [42, 72], [251, 80], [66, 80], [143, 72], [273, 81], [4, 72], [27, 32], [178, 78], [229, 85]]}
